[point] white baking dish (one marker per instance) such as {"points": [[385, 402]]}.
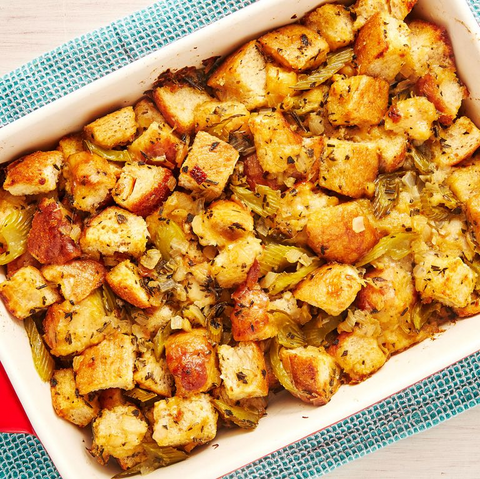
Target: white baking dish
{"points": [[287, 418]]}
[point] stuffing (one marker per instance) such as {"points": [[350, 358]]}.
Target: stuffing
{"points": [[332, 287], [177, 104], [382, 46], [471, 309], [114, 230], [76, 279], [67, 403], [88, 180], [296, 47], [187, 422], [333, 23], [147, 113], [365, 9], [472, 209], [115, 129], [280, 82], [465, 182], [208, 166], [34, 174], [243, 370], [26, 259], [343, 233], [360, 100], [71, 328], [192, 361], [314, 374], [141, 188], [53, 236], [242, 77], [71, 144], [108, 364], [27, 292]]}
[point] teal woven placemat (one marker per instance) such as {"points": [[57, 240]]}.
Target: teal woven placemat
{"points": [[91, 56]]}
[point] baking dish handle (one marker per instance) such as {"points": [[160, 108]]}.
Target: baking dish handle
{"points": [[12, 416]]}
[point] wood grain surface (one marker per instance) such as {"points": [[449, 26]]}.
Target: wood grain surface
{"points": [[29, 28]]}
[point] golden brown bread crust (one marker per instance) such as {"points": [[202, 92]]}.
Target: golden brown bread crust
{"points": [[26, 259]]}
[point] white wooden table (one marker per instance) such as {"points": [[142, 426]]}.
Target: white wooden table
{"points": [[29, 28]]}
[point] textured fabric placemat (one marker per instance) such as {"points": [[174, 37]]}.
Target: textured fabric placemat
{"points": [[52, 76]]}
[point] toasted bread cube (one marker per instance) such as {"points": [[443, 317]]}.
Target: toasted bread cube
{"points": [[333, 23], [158, 145], [153, 374], [70, 329], [442, 87], [382, 46], [222, 223], [34, 174], [413, 117], [280, 82], [456, 143], [472, 208], [115, 230], [177, 104], [314, 373], [332, 287], [349, 168], [52, 237], [27, 292], [208, 166], [146, 113], [77, 279], [445, 279], [471, 309], [243, 370], [465, 182], [401, 8], [277, 145], [108, 364], [67, 403], [71, 144], [192, 361], [115, 129], [359, 100], [126, 282], [119, 431], [342, 233], [242, 77], [359, 356], [365, 9], [231, 265], [141, 188], [184, 421], [296, 47]]}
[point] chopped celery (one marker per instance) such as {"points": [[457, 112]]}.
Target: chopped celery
{"points": [[316, 333], [166, 235], [141, 395], [289, 333], [111, 155], [421, 313], [14, 228], [246, 418], [421, 161], [43, 361], [215, 323], [160, 339], [387, 189], [283, 281], [265, 201], [278, 368], [277, 257], [438, 202]]}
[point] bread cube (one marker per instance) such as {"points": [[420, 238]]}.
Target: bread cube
{"points": [[118, 431], [67, 403], [365, 9], [472, 208], [359, 356], [115, 129], [25, 259], [152, 374], [314, 373], [471, 309], [296, 47], [108, 364], [222, 223], [177, 104], [456, 143], [413, 117], [141, 188], [147, 113], [349, 168], [332, 287], [187, 422], [382, 46], [52, 237], [34, 174], [280, 82], [208, 166], [465, 182], [71, 328], [442, 278], [333, 23], [126, 282], [243, 370], [27, 292], [401, 8], [114, 230], [343, 233], [158, 145], [192, 361], [71, 144], [76, 279], [359, 100]]}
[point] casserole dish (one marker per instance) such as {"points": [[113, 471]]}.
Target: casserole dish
{"points": [[61, 440]]}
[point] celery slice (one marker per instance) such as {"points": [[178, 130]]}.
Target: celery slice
{"points": [[275, 255], [166, 235], [278, 368], [14, 229], [397, 246], [289, 333], [387, 189], [246, 418], [315, 335], [141, 395], [265, 201], [160, 339], [43, 361], [421, 313], [285, 281], [111, 155]]}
